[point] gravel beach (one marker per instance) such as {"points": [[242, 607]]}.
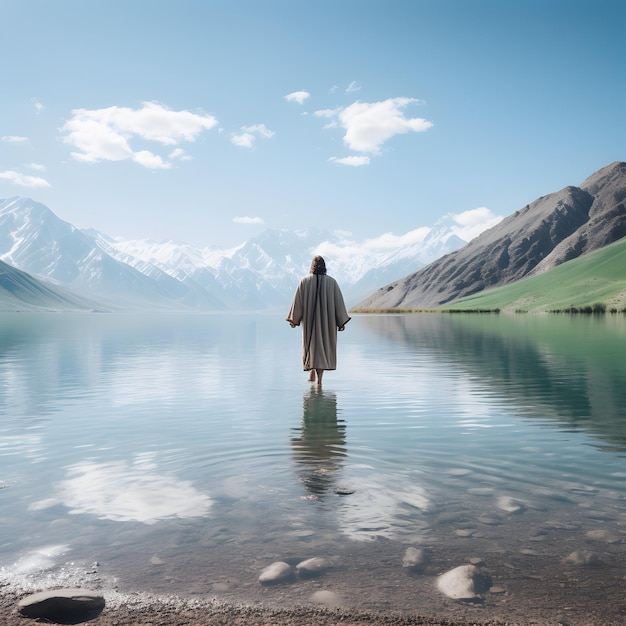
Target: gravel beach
{"points": [[177, 611]]}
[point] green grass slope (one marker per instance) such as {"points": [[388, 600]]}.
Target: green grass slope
{"points": [[595, 278]]}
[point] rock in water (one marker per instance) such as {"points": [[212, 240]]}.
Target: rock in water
{"points": [[458, 583], [414, 558], [312, 567], [69, 603], [327, 598], [584, 558], [510, 505], [277, 572]]}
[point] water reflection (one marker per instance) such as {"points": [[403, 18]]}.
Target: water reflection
{"points": [[122, 492], [567, 369], [319, 445], [180, 437]]}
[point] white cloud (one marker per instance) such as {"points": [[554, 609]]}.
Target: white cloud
{"points": [[244, 140], [347, 250], [179, 153], [261, 130], [248, 220], [247, 138], [329, 113], [353, 86], [472, 223], [40, 107], [24, 180], [354, 161], [297, 96], [369, 125], [14, 139], [36, 166], [150, 160], [106, 134]]}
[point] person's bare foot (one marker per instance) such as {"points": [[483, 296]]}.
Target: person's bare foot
{"points": [[312, 376], [320, 373]]}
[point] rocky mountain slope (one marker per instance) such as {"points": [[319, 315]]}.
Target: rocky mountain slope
{"points": [[551, 230]]}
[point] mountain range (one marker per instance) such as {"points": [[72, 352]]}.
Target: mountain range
{"points": [[87, 269], [550, 231], [49, 264]]}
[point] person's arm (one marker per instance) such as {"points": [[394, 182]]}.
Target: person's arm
{"points": [[341, 313], [294, 317]]}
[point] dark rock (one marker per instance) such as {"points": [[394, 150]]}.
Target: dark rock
{"points": [[68, 606]]}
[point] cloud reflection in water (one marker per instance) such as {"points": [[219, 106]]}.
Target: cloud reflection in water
{"points": [[383, 507], [121, 492]]}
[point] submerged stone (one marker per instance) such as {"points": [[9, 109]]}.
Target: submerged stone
{"points": [[277, 572], [510, 505], [327, 598], [312, 567], [602, 535], [463, 583], [584, 558], [62, 603], [414, 558]]}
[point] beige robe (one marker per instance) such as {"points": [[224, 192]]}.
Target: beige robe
{"points": [[318, 305]]}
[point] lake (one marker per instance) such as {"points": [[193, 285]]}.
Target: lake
{"points": [[183, 454]]}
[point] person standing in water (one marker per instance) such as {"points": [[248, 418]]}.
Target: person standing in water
{"points": [[318, 305]]}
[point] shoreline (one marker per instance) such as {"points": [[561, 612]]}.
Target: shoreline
{"points": [[526, 589], [146, 610]]}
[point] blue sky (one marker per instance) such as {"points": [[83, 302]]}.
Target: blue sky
{"points": [[210, 121]]}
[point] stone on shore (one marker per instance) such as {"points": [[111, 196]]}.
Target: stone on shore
{"points": [[277, 572], [68, 603]]}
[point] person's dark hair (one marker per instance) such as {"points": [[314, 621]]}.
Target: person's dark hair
{"points": [[318, 265]]}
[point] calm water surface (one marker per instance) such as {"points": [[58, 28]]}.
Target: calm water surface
{"points": [[184, 453]]}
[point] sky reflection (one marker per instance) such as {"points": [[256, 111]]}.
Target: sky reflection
{"points": [[123, 492]]}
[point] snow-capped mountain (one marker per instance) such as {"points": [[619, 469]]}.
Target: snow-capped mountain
{"points": [[35, 240], [260, 273]]}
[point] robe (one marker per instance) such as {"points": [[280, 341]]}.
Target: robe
{"points": [[318, 305]]}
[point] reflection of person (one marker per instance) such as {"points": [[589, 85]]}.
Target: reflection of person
{"points": [[320, 443], [318, 305]]}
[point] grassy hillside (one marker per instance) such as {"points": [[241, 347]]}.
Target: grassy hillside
{"points": [[597, 277]]}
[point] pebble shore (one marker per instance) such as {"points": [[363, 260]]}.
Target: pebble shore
{"points": [[147, 611]]}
